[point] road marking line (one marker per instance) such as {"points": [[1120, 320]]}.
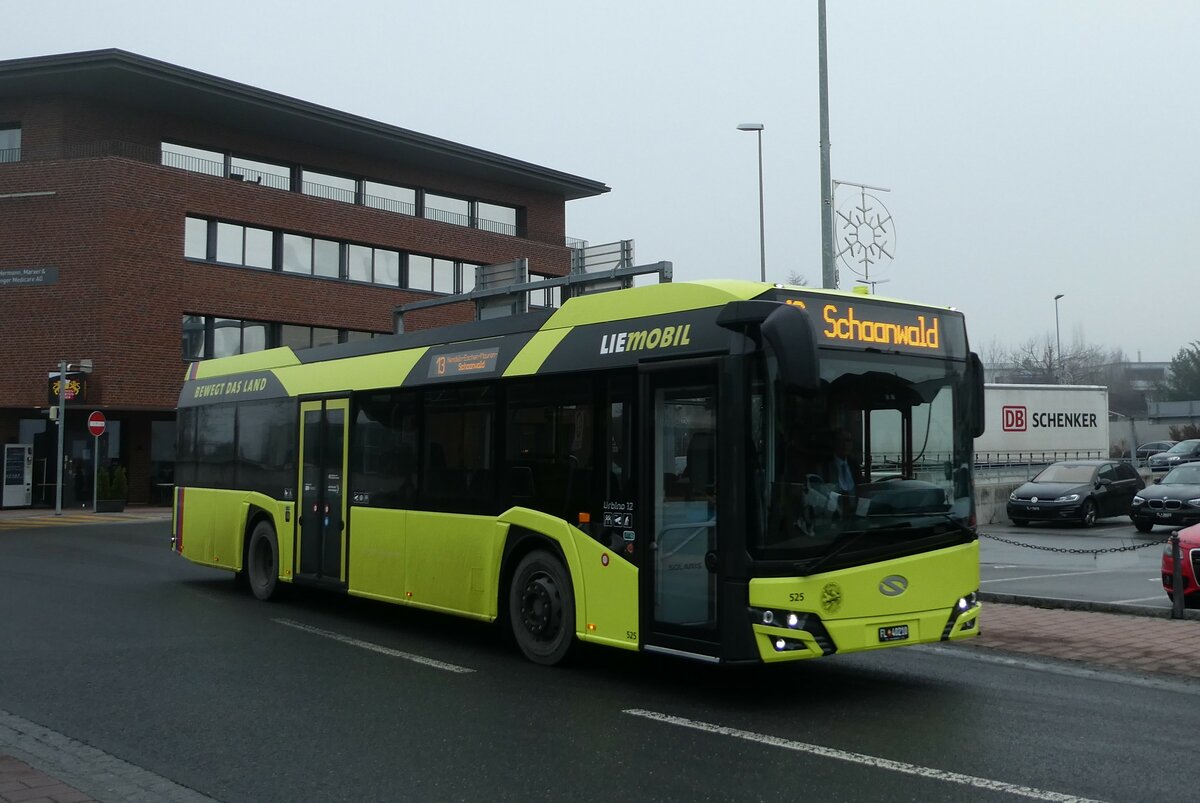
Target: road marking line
{"points": [[1039, 576], [1157, 598], [860, 758], [366, 645]]}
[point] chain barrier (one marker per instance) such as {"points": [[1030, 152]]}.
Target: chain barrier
{"points": [[1073, 551]]}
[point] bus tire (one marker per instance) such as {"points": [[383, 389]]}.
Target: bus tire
{"points": [[541, 608], [262, 561]]}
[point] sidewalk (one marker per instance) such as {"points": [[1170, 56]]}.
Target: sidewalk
{"points": [[23, 518], [1120, 641], [21, 783]]}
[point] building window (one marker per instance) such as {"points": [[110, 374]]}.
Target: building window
{"points": [[387, 267], [10, 143], [359, 263], [378, 265], [497, 218], [254, 336], [335, 188], [195, 238], [443, 276], [297, 253], [390, 198], [205, 336], [193, 338], [447, 209], [260, 248], [296, 337], [327, 258], [468, 277], [235, 244], [420, 272], [227, 337], [324, 337]]}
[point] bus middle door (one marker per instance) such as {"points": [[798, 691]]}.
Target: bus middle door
{"points": [[320, 553]]}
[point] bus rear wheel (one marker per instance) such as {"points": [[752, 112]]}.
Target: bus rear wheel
{"points": [[541, 608], [262, 561]]}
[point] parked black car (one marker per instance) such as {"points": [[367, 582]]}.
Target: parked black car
{"points": [[1173, 499], [1182, 452], [1076, 490], [1147, 450]]}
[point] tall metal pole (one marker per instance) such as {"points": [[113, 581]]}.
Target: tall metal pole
{"points": [[828, 273], [62, 425], [762, 226], [1058, 340]]}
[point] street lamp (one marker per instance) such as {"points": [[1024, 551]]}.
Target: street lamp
{"points": [[64, 367], [1058, 338], [762, 231]]}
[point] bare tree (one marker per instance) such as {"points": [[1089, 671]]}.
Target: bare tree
{"points": [[795, 277], [1038, 361]]}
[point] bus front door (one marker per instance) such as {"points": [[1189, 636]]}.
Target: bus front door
{"points": [[679, 577], [322, 511]]}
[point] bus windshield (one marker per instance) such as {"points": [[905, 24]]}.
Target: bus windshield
{"points": [[877, 463]]}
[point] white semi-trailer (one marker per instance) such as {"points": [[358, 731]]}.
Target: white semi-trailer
{"points": [[1043, 423]]}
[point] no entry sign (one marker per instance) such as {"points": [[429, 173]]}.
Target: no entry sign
{"points": [[96, 423]]}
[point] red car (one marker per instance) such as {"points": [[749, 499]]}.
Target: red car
{"points": [[1189, 550]]}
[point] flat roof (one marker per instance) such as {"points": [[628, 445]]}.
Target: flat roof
{"points": [[141, 82]]}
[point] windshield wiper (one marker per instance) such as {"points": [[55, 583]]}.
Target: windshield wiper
{"points": [[837, 550], [955, 524]]}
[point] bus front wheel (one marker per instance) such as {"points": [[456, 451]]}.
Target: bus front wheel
{"points": [[541, 608], [262, 570]]}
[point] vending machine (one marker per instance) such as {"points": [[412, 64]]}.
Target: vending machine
{"points": [[18, 475]]}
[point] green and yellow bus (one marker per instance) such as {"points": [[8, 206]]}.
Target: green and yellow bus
{"points": [[722, 470]]}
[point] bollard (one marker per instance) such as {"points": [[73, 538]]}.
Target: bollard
{"points": [[1176, 577]]}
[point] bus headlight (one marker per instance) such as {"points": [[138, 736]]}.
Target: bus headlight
{"points": [[793, 620]]}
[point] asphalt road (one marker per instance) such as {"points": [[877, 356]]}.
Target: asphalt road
{"points": [[112, 640], [1110, 563]]}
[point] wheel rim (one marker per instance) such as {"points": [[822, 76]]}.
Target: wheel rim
{"points": [[541, 608], [1089, 513]]}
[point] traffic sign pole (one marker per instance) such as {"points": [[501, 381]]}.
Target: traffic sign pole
{"points": [[62, 425], [96, 425], [95, 469]]}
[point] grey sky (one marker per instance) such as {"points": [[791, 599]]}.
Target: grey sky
{"points": [[1032, 148]]}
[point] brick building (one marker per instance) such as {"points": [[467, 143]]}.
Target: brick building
{"points": [[152, 215]]}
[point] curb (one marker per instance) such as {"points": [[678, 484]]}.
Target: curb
{"points": [[1084, 605]]}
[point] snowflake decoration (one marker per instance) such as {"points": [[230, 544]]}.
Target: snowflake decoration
{"points": [[865, 234]]}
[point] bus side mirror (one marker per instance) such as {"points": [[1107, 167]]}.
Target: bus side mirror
{"points": [[786, 331], [975, 389]]}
